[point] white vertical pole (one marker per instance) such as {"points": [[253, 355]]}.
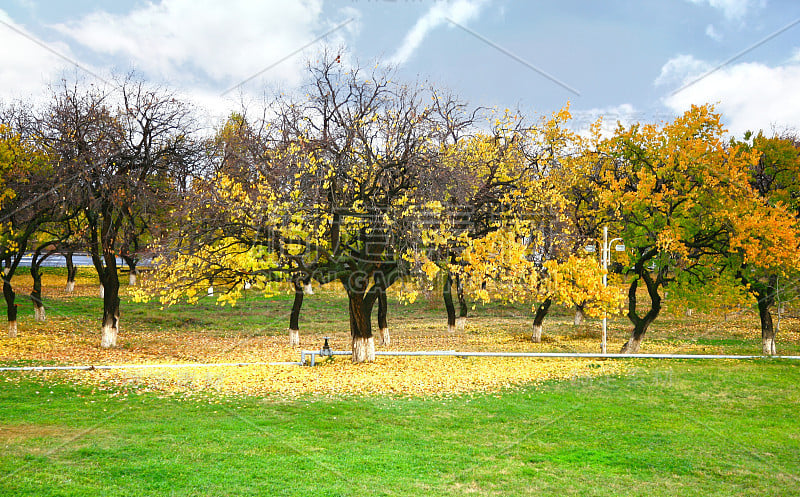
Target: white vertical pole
{"points": [[605, 258], [778, 300]]}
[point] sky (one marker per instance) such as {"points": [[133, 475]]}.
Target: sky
{"points": [[627, 60]]}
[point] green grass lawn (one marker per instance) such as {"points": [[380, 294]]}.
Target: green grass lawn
{"points": [[670, 428]]}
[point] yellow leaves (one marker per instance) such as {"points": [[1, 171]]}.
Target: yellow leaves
{"points": [[501, 266], [497, 266], [407, 296], [180, 279], [668, 241], [767, 237], [430, 269], [400, 376], [579, 281], [18, 158]]}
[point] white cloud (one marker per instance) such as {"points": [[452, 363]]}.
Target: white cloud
{"points": [[731, 9], [712, 33], [187, 40], [26, 67], [750, 96], [460, 11], [678, 70]]}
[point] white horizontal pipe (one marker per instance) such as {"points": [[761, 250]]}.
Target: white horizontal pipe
{"points": [[142, 366], [589, 355], [446, 353]]}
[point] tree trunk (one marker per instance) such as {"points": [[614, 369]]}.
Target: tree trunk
{"points": [[36, 293], [766, 299], [538, 319], [110, 304], [363, 350], [640, 324], [635, 340], [461, 321], [39, 313], [131, 261], [383, 326], [72, 271], [307, 288], [447, 293], [11, 307], [579, 315], [294, 318], [360, 307], [765, 293], [102, 291]]}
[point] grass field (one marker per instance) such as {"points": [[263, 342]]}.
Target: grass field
{"points": [[415, 426], [682, 428]]}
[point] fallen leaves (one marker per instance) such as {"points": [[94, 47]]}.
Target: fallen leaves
{"points": [[403, 376]]}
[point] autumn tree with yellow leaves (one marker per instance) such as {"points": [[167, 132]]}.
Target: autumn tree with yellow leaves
{"points": [[682, 202], [764, 251], [525, 248], [337, 192]]}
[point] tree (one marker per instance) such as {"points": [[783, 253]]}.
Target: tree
{"points": [[508, 265], [40, 253], [513, 240], [71, 233], [681, 200], [26, 201], [335, 194], [476, 175], [766, 253], [124, 149]]}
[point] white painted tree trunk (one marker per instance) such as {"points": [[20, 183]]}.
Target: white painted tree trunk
{"points": [[768, 346], [247, 285], [689, 311], [12, 329], [294, 338], [211, 291], [536, 336], [578, 317], [451, 328], [109, 337], [632, 347], [70, 287], [363, 350], [39, 313], [102, 291], [461, 324], [385, 340], [308, 289], [132, 279]]}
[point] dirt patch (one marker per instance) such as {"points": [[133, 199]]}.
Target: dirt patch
{"points": [[21, 433]]}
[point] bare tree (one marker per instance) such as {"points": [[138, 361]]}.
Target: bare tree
{"points": [[121, 148]]}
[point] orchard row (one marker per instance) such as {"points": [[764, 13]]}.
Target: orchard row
{"points": [[365, 181]]}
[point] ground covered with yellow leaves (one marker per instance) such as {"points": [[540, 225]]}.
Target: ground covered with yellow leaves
{"points": [[404, 376], [199, 338]]}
